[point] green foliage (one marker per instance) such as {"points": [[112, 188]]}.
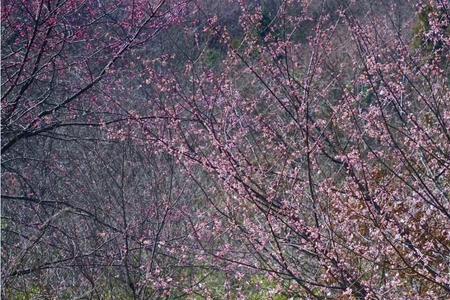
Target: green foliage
{"points": [[267, 26], [3, 224], [255, 287], [212, 57], [367, 96], [422, 26], [260, 287], [236, 43], [264, 28], [34, 292]]}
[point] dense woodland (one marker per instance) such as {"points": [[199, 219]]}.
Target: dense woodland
{"points": [[222, 149]]}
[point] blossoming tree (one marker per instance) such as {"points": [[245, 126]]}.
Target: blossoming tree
{"points": [[309, 144]]}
